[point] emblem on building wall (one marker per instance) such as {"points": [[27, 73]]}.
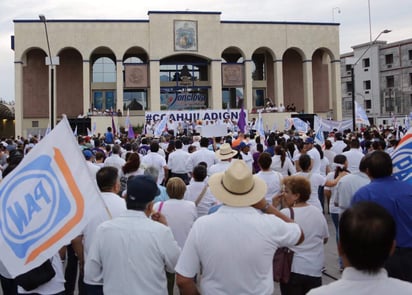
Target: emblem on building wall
{"points": [[185, 33]]}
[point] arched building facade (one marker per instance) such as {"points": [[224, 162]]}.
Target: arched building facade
{"points": [[174, 60]]}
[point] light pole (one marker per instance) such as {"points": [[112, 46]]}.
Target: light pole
{"points": [[353, 77], [50, 62]]}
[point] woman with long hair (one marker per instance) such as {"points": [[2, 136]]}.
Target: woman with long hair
{"points": [[281, 163], [341, 169]]}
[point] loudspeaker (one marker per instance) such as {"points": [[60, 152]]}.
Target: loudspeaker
{"points": [[82, 125]]}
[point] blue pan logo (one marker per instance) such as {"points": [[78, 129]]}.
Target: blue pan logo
{"points": [[32, 204]]}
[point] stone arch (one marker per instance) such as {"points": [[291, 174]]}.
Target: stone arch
{"points": [[233, 54], [321, 72], [263, 76], [35, 100], [138, 52], [69, 83], [103, 79], [293, 87]]}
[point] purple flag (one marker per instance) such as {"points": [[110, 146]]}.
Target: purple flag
{"points": [[241, 123]]}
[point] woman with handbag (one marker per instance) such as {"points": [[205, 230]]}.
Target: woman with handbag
{"points": [[308, 258]]}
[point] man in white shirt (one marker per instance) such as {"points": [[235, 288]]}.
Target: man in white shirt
{"points": [[107, 179], [366, 239], [133, 251], [232, 249], [115, 160], [156, 160], [225, 154], [339, 144], [201, 155], [313, 154], [349, 185], [177, 162], [88, 155], [354, 156]]}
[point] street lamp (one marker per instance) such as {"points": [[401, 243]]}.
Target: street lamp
{"points": [[353, 77], [49, 61]]}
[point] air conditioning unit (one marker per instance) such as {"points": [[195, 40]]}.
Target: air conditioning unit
{"points": [[389, 66], [368, 111], [349, 72], [366, 70], [367, 92], [350, 93]]}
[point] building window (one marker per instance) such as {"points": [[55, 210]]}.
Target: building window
{"points": [[104, 100], [104, 70], [348, 68], [348, 86], [410, 79], [368, 104], [367, 85], [135, 99], [347, 105], [366, 63], [389, 59], [390, 82], [259, 97], [259, 67], [410, 54]]}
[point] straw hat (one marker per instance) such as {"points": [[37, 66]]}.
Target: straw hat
{"points": [[225, 152], [237, 186]]}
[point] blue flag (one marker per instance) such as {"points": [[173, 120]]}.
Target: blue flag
{"points": [[402, 159]]}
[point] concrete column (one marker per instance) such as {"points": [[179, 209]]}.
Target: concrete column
{"points": [[336, 90], [154, 91], [248, 91], [86, 86], [215, 95], [119, 85], [278, 82], [308, 86], [18, 98]]}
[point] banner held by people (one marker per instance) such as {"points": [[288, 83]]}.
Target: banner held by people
{"points": [[44, 201]]}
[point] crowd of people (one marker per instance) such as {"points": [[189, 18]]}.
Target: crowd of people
{"points": [[207, 214]]}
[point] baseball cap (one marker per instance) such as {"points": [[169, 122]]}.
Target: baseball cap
{"points": [[87, 154], [141, 189], [309, 140]]}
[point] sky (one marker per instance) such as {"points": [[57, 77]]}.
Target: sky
{"points": [[352, 15]]}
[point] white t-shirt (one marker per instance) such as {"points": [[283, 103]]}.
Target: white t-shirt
{"points": [[157, 161], [234, 248], [180, 216], [273, 182], [288, 166], [332, 207], [193, 191], [357, 282], [316, 180], [309, 256], [315, 156]]}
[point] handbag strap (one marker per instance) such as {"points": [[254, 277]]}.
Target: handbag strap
{"points": [[292, 213], [200, 197], [160, 206]]}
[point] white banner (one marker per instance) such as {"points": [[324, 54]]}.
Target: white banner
{"points": [[46, 201], [214, 130], [195, 115]]}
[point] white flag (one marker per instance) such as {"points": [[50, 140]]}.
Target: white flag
{"points": [[361, 117], [46, 201]]}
